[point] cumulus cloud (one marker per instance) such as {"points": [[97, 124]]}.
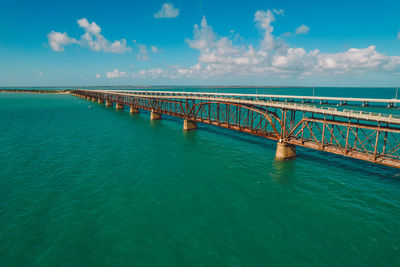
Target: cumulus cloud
{"points": [[116, 74], [92, 38], [58, 40], [264, 20], [271, 57], [220, 56], [167, 11], [303, 29]]}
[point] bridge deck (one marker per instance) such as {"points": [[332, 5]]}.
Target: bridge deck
{"points": [[265, 96], [259, 101]]}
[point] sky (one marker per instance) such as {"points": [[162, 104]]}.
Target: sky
{"points": [[204, 42]]}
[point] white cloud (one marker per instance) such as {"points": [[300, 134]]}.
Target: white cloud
{"points": [[89, 27], [303, 29], [278, 11], [98, 75], [271, 58], [264, 20], [154, 49], [203, 36], [116, 74], [58, 40], [142, 55], [151, 73], [91, 38], [221, 56], [167, 11]]}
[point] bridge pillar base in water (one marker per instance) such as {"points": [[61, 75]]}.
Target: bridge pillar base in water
{"points": [[100, 101], [155, 116], [189, 125], [94, 99], [119, 106], [108, 103], [285, 151], [134, 110]]}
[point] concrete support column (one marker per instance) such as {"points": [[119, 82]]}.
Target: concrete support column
{"points": [[119, 106], [108, 103], [189, 125], [94, 99], [155, 116], [285, 151], [100, 101], [133, 110]]}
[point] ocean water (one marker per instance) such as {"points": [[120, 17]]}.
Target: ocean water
{"points": [[84, 186]]}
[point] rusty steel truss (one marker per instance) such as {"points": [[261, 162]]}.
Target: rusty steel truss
{"points": [[350, 136]]}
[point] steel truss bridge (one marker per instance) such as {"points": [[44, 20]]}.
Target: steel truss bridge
{"points": [[367, 136]]}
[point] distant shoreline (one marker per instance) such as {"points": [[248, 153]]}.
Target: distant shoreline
{"points": [[106, 87], [34, 91]]}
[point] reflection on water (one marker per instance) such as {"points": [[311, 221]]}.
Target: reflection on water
{"points": [[190, 135], [283, 171]]}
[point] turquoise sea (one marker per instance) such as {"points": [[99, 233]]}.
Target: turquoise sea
{"points": [[84, 186]]}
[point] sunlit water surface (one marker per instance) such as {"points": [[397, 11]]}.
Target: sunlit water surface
{"points": [[94, 186]]}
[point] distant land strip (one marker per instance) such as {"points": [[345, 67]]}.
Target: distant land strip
{"points": [[35, 91]]}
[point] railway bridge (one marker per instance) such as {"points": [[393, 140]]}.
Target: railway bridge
{"points": [[358, 134]]}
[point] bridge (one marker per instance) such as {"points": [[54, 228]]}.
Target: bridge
{"points": [[358, 134]]}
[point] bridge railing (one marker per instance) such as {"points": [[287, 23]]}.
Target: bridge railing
{"points": [[372, 113]]}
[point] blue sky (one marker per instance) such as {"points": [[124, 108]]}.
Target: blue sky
{"points": [[317, 43]]}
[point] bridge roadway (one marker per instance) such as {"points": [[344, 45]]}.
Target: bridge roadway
{"points": [[251, 99], [352, 133], [281, 98]]}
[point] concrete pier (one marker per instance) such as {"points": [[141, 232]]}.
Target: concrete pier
{"points": [[155, 116], [119, 106], [108, 103], [94, 99], [285, 151], [134, 110], [189, 125], [100, 101]]}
